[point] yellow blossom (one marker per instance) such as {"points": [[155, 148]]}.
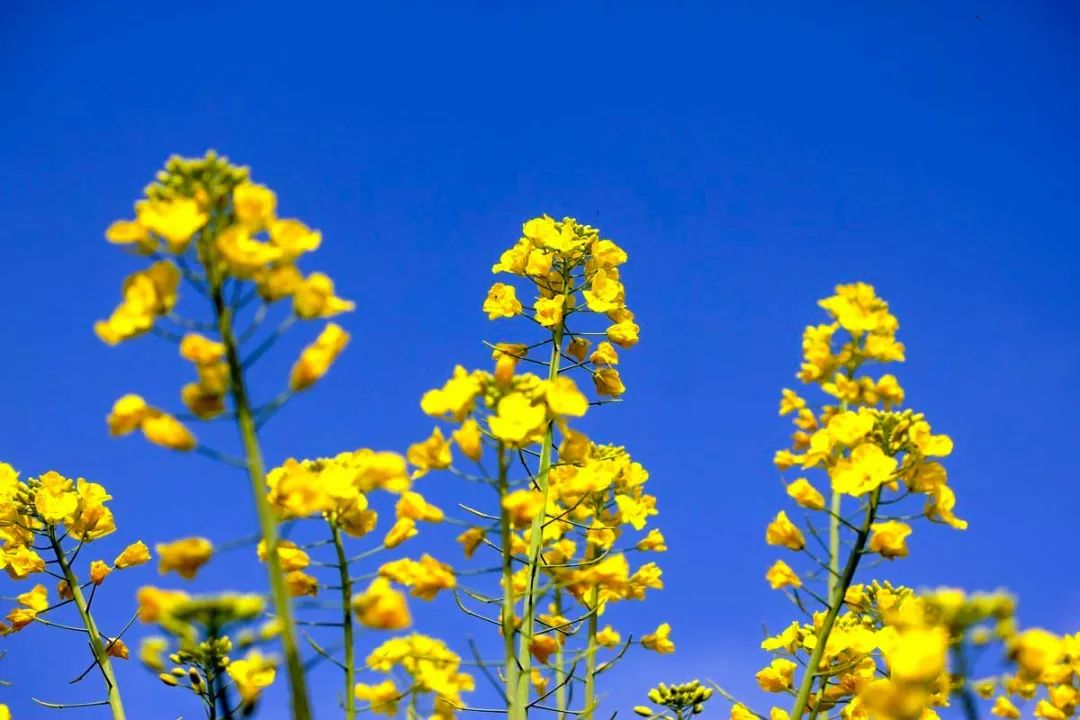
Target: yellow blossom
{"points": [[184, 556], [502, 302], [430, 454], [316, 359], [806, 495], [135, 554], [780, 575], [251, 675], [889, 538], [781, 531], [660, 640], [382, 607]]}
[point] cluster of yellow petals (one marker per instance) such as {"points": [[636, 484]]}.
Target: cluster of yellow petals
{"points": [[431, 667]]}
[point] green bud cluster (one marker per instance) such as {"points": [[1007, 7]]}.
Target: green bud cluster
{"points": [[685, 699]]}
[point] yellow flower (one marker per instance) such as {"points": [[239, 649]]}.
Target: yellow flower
{"points": [[382, 698], [21, 561], [470, 540], [413, 505], [517, 419], [866, 469], [790, 402], [56, 499], [889, 538], [849, 428], [175, 220], [608, 637], [780, 575], [778, 676], [806, 495], [314, 298], [36, 599], [254, 205], [155, 603], [455, 398], [127, 415], [501, 302], [426, 576], [316, 359], [382, 607], [624, 334], [917, 655], [469, 439], [128, 232], [201, 350], [653, 542], [300, 584], [564, 398], [430, 454], [184, 556], [549, 311], [1004, 708], [402, 530], [251, 675], [608, 382], [1045, 710], [294, 238], [99, 571], [659, 641], [1034, 651], [740, 712], [604, 354], [290, 556], [781, 531], [135, 554], [927, 443], [165, 430], [245, 256], [522, 506]]}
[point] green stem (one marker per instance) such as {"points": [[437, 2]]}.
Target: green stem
{"points": [[510, 660], [836, 602], [560, 664], [268, 524], [101, 655], [590, 654], [347, 619], [963, 687], [519, 709]]}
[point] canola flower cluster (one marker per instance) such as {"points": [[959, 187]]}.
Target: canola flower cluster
{"points": [[568, 532]]}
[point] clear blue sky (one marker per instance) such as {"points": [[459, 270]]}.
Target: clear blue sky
{"points": [[748, 155]]}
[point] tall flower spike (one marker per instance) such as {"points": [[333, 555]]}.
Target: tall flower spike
{"points": [[207, 224]]}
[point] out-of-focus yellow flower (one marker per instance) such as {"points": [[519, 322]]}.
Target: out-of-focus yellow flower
{"points": [[252, 675], [316, 359], [184, 556], [430, 454], [522, 506], [382, 697], [314, 298], [175, 220], [517, 419], [382, 607], [155, 603], [660, 640], [254, 205]]}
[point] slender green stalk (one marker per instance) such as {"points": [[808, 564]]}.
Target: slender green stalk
{"points": [[510, 667], [591, 651], [347, 620], [519, 708], [560, 664], [101, 655], [836, 602], [963, 688], [268, 525]]}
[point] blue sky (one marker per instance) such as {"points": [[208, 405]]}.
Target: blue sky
{"points": [[748, 155]]}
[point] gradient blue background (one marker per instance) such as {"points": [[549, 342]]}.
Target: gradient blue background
{"points": [[748, 155]]}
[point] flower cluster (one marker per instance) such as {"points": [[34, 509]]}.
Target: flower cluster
{"points": [[202, 635], [432, 670], [861, 650]]}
